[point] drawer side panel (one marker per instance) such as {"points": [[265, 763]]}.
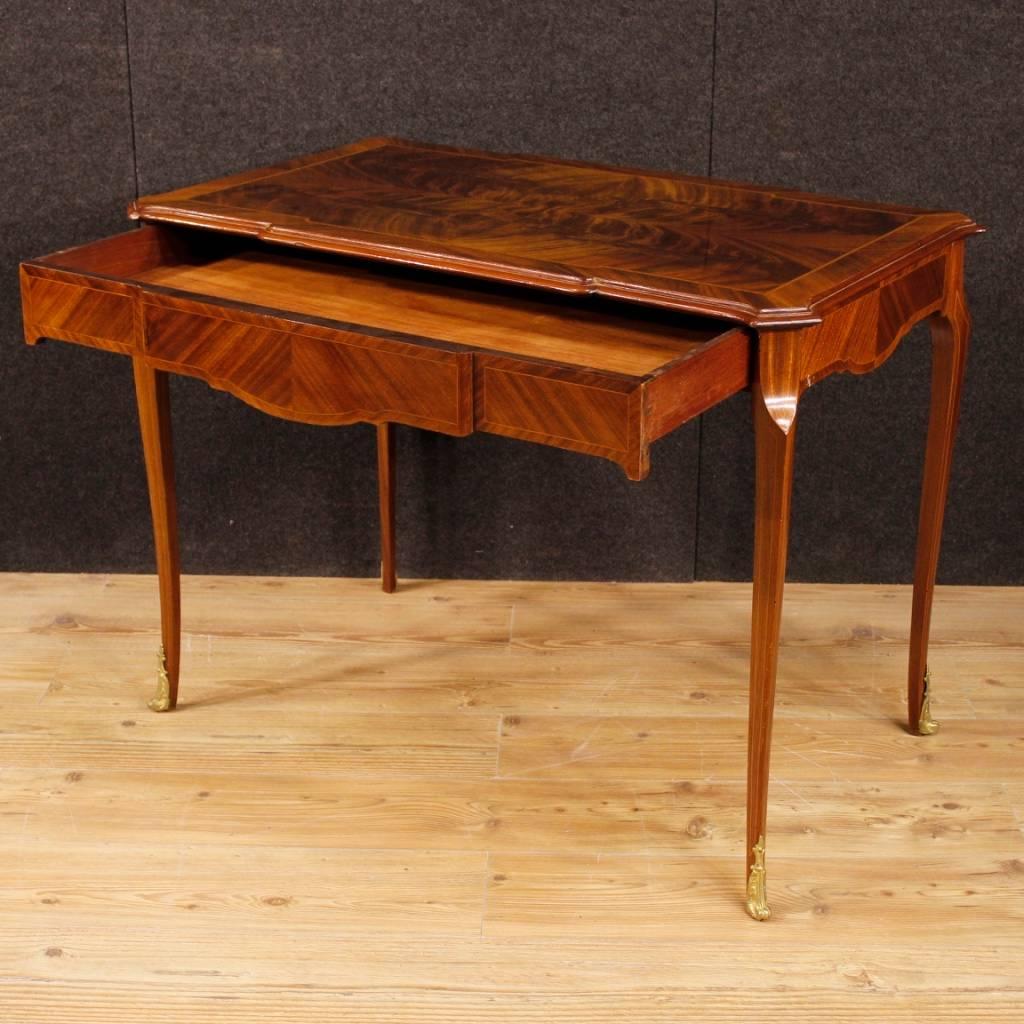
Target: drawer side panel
{"points": [[695, 384], [68, 308]]}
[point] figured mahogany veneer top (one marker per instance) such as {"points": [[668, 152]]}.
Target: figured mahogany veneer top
{"points": [[757, 255]]}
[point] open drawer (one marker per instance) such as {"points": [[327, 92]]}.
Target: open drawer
{"points": [[330, 339]]}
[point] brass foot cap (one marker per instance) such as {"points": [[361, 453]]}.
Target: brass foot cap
{"points": [[757, 886], [759, 911], [926, 725], [162, 700]]}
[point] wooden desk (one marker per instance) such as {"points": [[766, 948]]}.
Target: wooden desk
{"points": [[589, 308]]}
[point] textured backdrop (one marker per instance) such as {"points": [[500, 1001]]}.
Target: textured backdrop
{"points": [[908, 102]]}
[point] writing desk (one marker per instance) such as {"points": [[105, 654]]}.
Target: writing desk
{"points": [[586, 307]]}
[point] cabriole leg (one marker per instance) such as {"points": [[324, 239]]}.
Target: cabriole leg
{"points": [[774, 479], [950, 333], [151, 393]]}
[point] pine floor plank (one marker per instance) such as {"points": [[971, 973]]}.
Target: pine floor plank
{"points": [[967, 898], [639, 747], [29, 667], [358, 892], [75, 945], [857, 681], [914, 820], [510, 802], [716, 612], [218, 737], [269, 608], [176, 1004]]}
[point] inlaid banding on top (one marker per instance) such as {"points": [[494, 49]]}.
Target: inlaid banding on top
{"points": [[758, 255]]}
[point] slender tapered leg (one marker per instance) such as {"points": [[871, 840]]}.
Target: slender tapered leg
{"points": [[774, 479], [950, 333], [153, 399], [386, 491]]}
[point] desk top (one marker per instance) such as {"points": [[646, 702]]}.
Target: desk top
{"points": [[762, 256]]}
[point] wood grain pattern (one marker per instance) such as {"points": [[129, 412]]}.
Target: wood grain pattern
{"points": [[773, 488], [432, 893], [610, 336], [358, 745], [951, 329], [324, 341], [75, 1001], [329, 378], [75, 308], [159, 866], [598, 896], [623, 747], [153, 400], [755, 254], [510, 815], [585, 412], [857, 338], [697, 382], [527, 647]]}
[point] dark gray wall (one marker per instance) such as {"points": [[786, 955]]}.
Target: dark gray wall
{"points": [[908, 102], [921, 103]]}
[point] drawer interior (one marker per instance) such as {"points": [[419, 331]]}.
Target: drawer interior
{"points": [[588, 332]]}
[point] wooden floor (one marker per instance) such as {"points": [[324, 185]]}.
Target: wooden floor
{"points": [[475, 802]]}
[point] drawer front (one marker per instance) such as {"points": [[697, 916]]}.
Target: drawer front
{"points": [[75, 308], [304, 372], [563, 408]]}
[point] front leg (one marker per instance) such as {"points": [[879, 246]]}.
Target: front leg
{"points": [[775, 436], [857, 336], [951, 330], [151, 393]]}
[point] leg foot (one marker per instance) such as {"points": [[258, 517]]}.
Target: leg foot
{"points": [[926, 725], [161, 700], [757, 890]]}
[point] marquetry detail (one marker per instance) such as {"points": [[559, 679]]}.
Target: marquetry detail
{"points": [[611, 416], [346, 344], [315, 375], [552, 406], [856, 338]]}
